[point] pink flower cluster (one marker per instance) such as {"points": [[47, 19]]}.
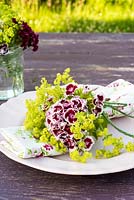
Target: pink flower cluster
{"points": [[62, 115], [98, 104]]}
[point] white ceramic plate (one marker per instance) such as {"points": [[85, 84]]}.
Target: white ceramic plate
{"points": [[12, 113]]}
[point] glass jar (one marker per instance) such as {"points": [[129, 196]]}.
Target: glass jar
{"points": [[11, 73]]}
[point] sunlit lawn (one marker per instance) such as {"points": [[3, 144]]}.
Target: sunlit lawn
{"points": [[94, 16]]}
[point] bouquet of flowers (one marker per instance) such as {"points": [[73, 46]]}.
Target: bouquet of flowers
{"points": [[15, 36], [14, 32], [71, 117]]}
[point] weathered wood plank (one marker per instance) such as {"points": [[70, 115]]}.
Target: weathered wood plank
{"points": [[95, 59]]}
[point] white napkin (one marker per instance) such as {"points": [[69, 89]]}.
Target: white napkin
{"points": [[119, 91], [23, 144]]}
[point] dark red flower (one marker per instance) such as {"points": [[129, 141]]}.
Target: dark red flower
{"points": [[98, 102], [88, 142], [56, 117], [100, 97], [69, 143], [40, 155], [77, 103], [48, 121], [70, 88], [97, 110], [70, 115], [67, 129], [58, 108], [28, 37], [48, 147], [57, 132], [66, 104]]}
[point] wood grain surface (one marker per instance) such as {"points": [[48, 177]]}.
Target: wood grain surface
{"points": [[94, 59]]}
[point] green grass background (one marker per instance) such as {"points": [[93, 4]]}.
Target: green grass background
{"points": [[77, 15]]}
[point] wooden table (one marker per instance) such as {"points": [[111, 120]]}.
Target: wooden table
{"points": [[95, 59]]}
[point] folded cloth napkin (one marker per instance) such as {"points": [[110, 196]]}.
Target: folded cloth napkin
{"points": [[119, 91], [24, 145]]}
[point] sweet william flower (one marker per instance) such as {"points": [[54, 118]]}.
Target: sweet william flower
{"points": [[98, 104], [88, 142], [61, 116], [48, 147], [70, 116], [69, 143], [67, 129], [70, 88]]}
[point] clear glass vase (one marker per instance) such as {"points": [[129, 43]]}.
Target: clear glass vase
{"points": [[11, 73]]}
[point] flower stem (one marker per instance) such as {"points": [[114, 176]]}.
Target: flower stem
{"points": [[118, 129], [113, 107], [115, 103]]}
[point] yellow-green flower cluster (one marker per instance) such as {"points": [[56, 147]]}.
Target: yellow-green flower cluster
{"points": [[62, 79], [86, 125], [35, 116], [129, 147], [85, 122], [8, 29], [74, 155], [116, 145]]}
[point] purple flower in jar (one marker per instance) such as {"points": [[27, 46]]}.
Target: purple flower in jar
{"points": [[27, 36]]}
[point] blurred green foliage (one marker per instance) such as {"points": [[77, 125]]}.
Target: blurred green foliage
{"points": [[77, 15]]}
